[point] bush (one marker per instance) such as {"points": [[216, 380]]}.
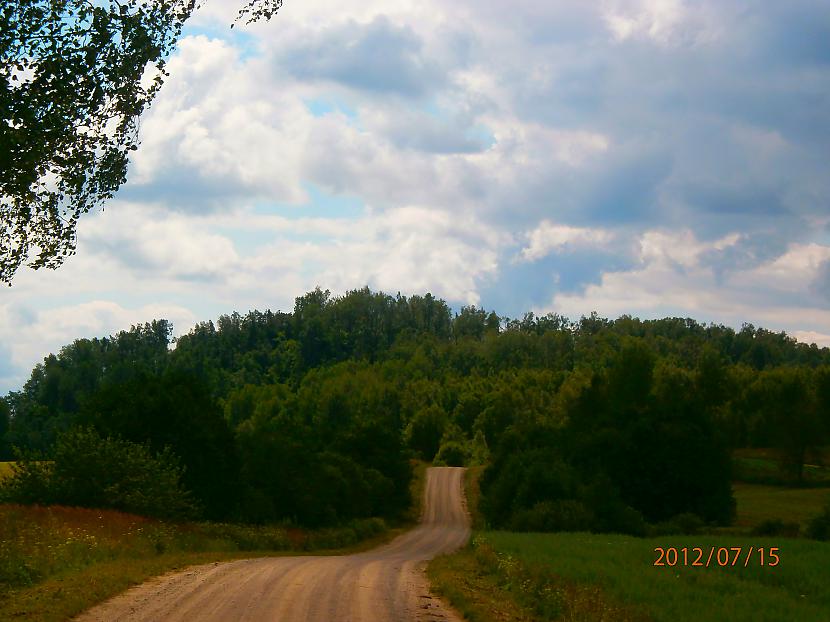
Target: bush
{"points": [[819, 527], [88, 470], [561, 515], [451, 454], [777, 527], [687, 524]]}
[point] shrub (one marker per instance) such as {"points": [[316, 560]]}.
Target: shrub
{"points": [[819, 527], [451, 453], [88, 470], [777, 527], [687, 523], [560, 515]]}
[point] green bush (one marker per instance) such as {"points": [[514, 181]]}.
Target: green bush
{"points": [[819, 527], [687, 524], [88, 470], [777, 527], [451, 453], [560, 515]]}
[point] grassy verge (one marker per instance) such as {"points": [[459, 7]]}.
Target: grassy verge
{"points": [[56, 562]]}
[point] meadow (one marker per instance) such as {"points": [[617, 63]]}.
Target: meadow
{"points": [[579, 576], [513, 577], [757, 503]]}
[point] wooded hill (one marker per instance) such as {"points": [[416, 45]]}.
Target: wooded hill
{"points": [[312, 416]]}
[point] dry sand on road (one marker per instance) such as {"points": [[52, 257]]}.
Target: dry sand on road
{"points": [[386, 584]]}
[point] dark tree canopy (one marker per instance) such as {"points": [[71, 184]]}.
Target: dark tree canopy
{"points": [[75, 77]]}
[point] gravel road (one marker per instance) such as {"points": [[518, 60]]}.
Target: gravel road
{"points": [[385, 584]]}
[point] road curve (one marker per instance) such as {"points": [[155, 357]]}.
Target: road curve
{"points": [[385, 584]]}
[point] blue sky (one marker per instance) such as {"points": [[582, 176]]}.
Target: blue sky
{"points": [[649, 157]]}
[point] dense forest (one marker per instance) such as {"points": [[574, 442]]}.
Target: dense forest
{"points": [[313, 416]]}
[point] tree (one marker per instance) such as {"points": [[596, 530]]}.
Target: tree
{"points": [[72, 88], [5, 416], [89, 470]]}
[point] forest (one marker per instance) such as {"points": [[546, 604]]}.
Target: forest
{"points": [[314, 417]]}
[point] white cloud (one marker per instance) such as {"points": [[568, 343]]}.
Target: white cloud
{"points": [[548, 237], [674, 278]]}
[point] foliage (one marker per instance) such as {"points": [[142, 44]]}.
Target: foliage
{"points": [[311, 416], [819, 527], [72, 94], [174, 411], [88, 470], [74, 84]]}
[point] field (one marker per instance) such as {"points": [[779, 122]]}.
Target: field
{"points": [[512, 577], [579, 576], [757, 503], [5, 469], [762, 466]]}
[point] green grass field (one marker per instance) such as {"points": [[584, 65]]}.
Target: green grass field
{"points": [[762, 465], [757, 503], [588, 574], [512, 577]]}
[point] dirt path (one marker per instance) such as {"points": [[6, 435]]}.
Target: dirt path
{"points": [[383, 585]]}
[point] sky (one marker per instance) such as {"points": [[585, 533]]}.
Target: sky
{"points": [[645, 157]]}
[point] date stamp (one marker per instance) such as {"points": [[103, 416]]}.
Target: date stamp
{"points": [[722, 556]]}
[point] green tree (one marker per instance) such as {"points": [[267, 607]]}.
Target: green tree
{"points": [[71, 94], [88, 470], [174, 410], [5, 416]]}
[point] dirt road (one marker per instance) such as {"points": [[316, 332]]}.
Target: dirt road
{"points": [[382, 585]]}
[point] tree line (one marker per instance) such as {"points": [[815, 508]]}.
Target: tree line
{"points": [[313, 416]]}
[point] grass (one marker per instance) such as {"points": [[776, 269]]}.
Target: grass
{"points": [[509, 577], [5, 469], [56, 562], [757, 503], [578, 576], [762, 465]]}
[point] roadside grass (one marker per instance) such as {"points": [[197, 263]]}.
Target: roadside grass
{"points": [[757, 503], [6, 469], [56, 562]]}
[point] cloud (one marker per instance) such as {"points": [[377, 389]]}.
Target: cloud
{"points": [[629, 156], [549, 237], [378, 57], [673, 278]]}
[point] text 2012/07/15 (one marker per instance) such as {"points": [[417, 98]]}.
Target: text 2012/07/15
{"points": [[717, 556]]}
